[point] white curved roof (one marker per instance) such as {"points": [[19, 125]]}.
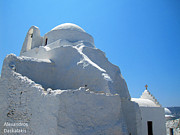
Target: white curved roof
{"points": [[167, 111], [68, 26], [144, 102]]}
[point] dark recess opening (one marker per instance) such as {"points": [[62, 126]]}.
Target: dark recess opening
{"points": [[150, 127], [171, 131], [46, 41]]}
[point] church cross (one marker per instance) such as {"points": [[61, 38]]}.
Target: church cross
{"points": [[146, 86]]}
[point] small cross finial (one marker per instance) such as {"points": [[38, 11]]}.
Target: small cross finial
{"points": [[146, 86]]}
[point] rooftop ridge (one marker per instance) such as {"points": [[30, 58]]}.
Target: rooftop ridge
{"points": [[147, 95]]}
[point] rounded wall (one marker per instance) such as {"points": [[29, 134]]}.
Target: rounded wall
{"points": [[132, 116], [37, 39], [70, 35], [32, 40]]}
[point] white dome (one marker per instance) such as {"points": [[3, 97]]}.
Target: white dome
{"points": [[167, 111], [168, 114], [144, 102], [68, 26]]}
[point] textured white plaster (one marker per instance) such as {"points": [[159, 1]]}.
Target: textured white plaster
{"points": [[68, 87]]}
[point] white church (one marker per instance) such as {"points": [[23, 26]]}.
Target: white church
{"points": [[61, 84]]}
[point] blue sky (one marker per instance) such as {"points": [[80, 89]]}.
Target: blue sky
{"points": [[141, 37]]}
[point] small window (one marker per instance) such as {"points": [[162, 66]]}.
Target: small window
{"points": [[31, 35], [46, 41]]}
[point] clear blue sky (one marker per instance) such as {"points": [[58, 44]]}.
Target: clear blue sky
{"points": [[141, 37]]}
